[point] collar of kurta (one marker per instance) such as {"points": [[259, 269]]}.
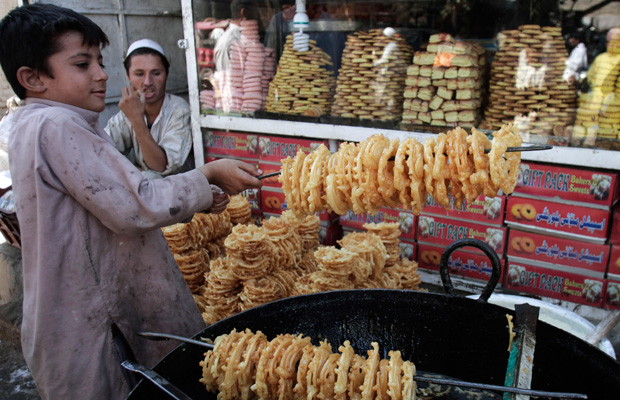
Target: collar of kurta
{"points": [[90, 116]]}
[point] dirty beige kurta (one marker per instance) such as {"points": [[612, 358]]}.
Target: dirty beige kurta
{"points": [[93, 253]]}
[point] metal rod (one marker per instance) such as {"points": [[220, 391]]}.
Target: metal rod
{"points": [[269, 175], [449, 382], [537, 147], [167, 336], [529, 392]]}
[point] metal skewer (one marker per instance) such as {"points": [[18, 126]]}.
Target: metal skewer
{"points": [[449, 382], [508, 150]]}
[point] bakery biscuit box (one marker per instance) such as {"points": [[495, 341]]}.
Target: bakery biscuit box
{"points": [[461, 262], [612, 293], [556, 283], [275, 148], [443, 231], [232, 144], [486, 210], [570, 221], [591, 188]]}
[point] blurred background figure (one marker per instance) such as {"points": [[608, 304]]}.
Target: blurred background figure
{"points": [[577, 62]]}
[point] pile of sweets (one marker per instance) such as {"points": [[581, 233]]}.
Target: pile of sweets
{"points": [[371, 78], [244, 86], [444, 83], [526, 86], [303, 84], [598, 114]]}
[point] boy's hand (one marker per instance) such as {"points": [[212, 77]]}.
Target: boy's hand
{"points": [[220, 200], [132, 104], [233, 176]]}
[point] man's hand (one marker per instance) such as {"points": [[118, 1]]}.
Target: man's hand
{"points": [[132, 104], [220, 200], [233, 176]]}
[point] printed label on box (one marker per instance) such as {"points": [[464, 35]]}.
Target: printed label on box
{"points": [[275, 148], [576, 220], [232, 144], [406, 219], [484, 209], [557, 250], [461, 262], [555, 284], [588, 186], [612, 295], [444, 231]]}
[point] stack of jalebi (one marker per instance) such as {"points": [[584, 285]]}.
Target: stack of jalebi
{"points": [[246, 365], [389, 233], [194, 244], [239, 209], [379, 172]]}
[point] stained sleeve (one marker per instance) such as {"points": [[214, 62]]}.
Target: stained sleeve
{"points": [[87, 167]]}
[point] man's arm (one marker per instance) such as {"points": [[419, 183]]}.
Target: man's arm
{"points": [[133, 108]]}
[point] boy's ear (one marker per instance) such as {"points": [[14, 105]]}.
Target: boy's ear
{"points": [[30, 80]]}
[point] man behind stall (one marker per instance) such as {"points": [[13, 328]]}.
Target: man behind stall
{"points": [[152, 129], [96, 267]]}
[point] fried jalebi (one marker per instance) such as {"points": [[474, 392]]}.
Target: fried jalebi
{"points": [[504, 165], [441, 172], [478, 143], [244, 365]]}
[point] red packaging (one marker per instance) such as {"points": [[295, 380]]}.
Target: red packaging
{"points": [[408, 249], [406, 219], [461, 262], [614, 232], [554, 283], [235, 144], [484, 209], [583, 256], [275, 148], [613, 271], [590, 224], [612, 294], [444, 231], [587, 186], [268, 168]]}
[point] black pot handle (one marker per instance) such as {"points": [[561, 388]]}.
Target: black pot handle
{"points": [[444, 270]]}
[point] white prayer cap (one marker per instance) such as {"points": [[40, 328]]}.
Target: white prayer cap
{"points": [[145, 43]]}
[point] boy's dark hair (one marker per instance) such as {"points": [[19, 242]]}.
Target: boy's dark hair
{"points": [[29, 36], [146, 50]]}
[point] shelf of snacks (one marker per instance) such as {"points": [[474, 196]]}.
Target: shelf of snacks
{"points": [[275, 101]]}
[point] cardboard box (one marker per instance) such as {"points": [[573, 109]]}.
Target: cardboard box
{"points": [[444, 231], [554, 283], [461, 262], [232, 144], [613, 270], [612, 294], [575, 185], [275, 148], [582, 223], [406, 219], [484, 209], [408, 249], [581, 257]]}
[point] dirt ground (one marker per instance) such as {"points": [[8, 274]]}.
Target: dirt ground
{"points": [[16, 383]]}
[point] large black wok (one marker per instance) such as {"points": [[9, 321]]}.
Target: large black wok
{"points": [[454, 336]]}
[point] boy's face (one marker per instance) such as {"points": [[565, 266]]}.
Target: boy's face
{"points": [[148, 75], [78, 76]]}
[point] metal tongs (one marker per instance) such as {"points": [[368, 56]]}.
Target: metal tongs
{"points": [[448, 382], [535, 147]]}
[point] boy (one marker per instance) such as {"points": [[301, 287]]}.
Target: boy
{"points": [[96, 267], [153, 127]]}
